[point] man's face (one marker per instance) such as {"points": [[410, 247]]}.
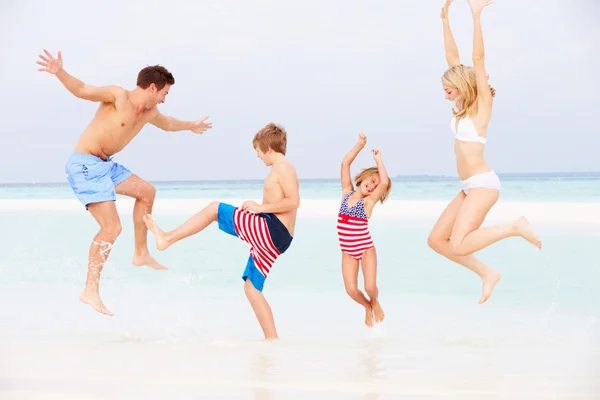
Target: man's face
{"points": [[157, 96]]}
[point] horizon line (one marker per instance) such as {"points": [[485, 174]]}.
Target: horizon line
{"points": [[401, 176]]}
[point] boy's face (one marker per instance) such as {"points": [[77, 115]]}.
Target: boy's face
{"points": [[265, 157]]}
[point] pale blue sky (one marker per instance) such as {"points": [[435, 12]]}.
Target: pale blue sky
{"points": [[324, 69]]}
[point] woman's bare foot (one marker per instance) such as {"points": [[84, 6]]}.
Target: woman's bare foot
{"points": [[378, 312], [489, 282], [526, 232], [161, 240], [94, 300], [369, 316], [147, 260]]}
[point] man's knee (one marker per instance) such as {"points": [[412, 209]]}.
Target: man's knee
{"points": [[112, 229], [147, 193]]}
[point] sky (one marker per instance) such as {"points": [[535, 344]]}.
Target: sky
{"points": [[323, 69]]}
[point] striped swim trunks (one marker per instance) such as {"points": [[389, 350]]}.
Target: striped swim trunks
{"points": [[265, 233]]}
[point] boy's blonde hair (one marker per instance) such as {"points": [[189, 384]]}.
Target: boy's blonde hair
{"points": [[366, 174], [273, 137]]}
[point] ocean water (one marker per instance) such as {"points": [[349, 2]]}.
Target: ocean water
{"points": [[189, 332], [581, 187]]}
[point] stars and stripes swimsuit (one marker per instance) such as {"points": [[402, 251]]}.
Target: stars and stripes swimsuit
{"points": [[353, 228], [265, 233]]}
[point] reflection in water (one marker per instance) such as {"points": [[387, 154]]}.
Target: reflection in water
{"points": [[261, 370], [373, 368]]}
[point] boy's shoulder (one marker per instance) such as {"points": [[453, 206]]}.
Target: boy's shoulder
{"points": [[284, 171], [285, 167]]}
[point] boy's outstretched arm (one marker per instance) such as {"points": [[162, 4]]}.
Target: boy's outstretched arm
{"points": [[288, 179], [347, 162], [171, 124]]}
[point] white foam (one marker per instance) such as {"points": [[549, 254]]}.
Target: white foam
{"points": [[570, 212]]}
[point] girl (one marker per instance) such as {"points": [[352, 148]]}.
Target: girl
{"points": [[457, 233], [372, 185]]}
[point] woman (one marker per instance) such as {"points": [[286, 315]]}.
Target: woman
{"points": [[457, 233]]}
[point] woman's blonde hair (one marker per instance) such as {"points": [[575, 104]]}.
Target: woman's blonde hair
{"points": [[463, 78], [366, 174]]}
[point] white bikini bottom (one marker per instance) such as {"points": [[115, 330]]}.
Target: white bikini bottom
{"points": [[488, 180]]}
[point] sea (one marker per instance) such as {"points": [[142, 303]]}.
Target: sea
{"points": [[189, 332]]}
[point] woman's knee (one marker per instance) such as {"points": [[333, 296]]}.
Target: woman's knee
{"points": [[456, 248], [436, 242]]}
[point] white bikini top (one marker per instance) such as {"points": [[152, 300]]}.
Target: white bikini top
{"points": [[466, 130]]}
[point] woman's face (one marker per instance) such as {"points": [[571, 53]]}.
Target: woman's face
{"points": [[451, 93]]}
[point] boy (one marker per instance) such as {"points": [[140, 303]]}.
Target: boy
{"points": [[267, 227]]}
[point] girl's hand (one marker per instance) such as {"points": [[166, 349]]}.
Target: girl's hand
{"points": [[362, 139], [377, 154]]}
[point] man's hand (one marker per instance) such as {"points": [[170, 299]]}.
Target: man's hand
{"points": [[250, 205], [200, 126], [50, 64]]}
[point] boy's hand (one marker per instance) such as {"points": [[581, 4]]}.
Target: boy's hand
{"points": [[362, 139], [377, 154], [250, 205]]}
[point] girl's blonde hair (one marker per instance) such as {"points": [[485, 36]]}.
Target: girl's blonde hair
{"points": [[366, 174], [463, 78]]}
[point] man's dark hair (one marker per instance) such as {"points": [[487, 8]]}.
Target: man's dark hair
{"points": [[156, 74]]}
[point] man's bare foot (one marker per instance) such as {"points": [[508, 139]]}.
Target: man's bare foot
{"points": [[159, 234], [147, 260], [369, 316], [378, 312], [489, 281], [526, 232], [94, 300]]}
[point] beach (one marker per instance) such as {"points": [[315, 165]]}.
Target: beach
{"points": [[189, 333]]}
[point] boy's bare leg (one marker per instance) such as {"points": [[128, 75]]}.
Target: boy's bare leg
{"points": [[107, 217], [262, 310], [144, 194], [350, 274], [195, 224], [369, 267]]}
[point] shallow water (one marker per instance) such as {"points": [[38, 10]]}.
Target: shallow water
{"points": [[190, 330]]}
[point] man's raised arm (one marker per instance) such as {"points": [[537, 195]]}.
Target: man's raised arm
{"points": [[107, 94]]}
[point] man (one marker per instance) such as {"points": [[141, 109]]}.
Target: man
{"points": [[96, 179], [267, 227]]}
